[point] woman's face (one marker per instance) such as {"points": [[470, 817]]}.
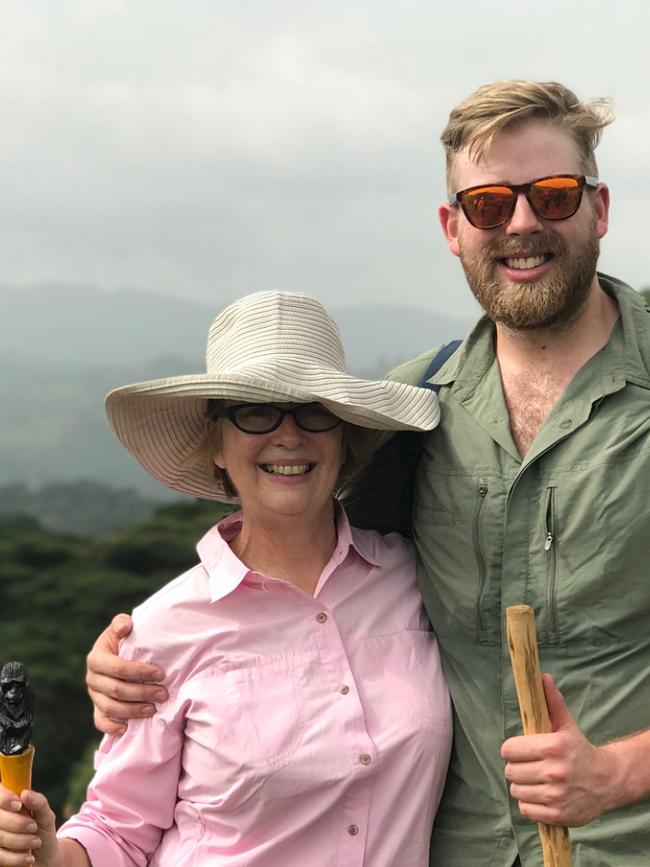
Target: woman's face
{"points": [[287, 472]]}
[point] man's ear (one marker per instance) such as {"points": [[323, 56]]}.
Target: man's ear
{"points": [[601, 209], [448, 217]]}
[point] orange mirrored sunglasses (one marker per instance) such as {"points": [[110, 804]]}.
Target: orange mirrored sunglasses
{"points": [[556, 197]]}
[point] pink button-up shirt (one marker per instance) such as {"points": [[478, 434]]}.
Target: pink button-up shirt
{"points": [[300, 730]]}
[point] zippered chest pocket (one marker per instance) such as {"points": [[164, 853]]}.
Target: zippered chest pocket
{"points": [[550, 549], [481, 495], [458, 532]]}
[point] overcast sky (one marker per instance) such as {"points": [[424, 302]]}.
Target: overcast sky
{"points": [[208, 149]]}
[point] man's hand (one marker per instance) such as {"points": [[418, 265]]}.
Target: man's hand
{"points": [[120, 689], [559, 778]]}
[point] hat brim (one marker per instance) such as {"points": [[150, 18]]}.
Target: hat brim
{"points": [[162, 422]]}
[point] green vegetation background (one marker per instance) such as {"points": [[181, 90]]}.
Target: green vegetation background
{"points": [[58, 592]]}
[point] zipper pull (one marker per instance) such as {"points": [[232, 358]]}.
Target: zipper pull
{"points": [[549, 541]]}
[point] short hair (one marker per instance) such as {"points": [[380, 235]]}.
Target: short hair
{"points": [[491, 109], [359, 445]]}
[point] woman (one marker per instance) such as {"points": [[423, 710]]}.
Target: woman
{"points": [[308, 721]]}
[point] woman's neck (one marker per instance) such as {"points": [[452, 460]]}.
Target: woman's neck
{"points": [[293, 548]]}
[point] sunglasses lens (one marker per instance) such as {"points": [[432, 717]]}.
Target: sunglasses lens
{"points": [[256, 418], [488, 207], [556, 198], [315, 418]]}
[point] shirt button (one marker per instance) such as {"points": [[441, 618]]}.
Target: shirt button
{"points": [[321, 617], [344, 690], [353, 830], [365, 759]]}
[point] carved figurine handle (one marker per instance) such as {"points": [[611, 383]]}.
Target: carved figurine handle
{"points": [[522, 643]]}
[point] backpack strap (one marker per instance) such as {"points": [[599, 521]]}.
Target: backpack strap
{"points": [[436, 363], [381, 498]]}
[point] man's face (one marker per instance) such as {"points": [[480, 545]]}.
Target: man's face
{"points": [[530, 272]]}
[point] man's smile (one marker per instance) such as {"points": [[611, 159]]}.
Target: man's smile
{"points": [[521, 263]]}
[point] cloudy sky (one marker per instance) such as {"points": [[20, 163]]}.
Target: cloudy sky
{"points": [[207, 149]]}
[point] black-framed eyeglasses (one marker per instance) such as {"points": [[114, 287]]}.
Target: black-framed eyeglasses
{"points": [[262, 418], [556, 197]]}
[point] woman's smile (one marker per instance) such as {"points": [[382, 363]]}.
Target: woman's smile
{"points": [[287, 469]]}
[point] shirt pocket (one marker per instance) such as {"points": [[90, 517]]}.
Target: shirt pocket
{"points": [[243, 724], [406, 691]]}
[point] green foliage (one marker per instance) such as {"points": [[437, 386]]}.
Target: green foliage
{"points": [[646, 294], [58, 593]]}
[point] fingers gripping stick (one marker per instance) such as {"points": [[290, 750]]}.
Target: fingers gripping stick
{"points": [[16, 774], [522, 643]]}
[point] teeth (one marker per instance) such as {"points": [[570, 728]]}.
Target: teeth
{"points": [[522, 264], [282, 470]]}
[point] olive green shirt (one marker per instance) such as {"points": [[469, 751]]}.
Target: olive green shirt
{"points": [[566, 530]]}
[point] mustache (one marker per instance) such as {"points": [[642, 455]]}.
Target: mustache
{"points": [[532, 245]]}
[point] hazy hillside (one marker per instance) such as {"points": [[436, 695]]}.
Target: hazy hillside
{"points": [[62, 349], [79, 325], [64, 324], [75, 508]]}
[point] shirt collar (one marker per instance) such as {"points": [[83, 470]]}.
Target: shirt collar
{"points": [[355, 539], [473, 359], [226, 571]]}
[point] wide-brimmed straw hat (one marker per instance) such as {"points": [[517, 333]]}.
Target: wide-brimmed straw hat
{"points": [[270, 347]]}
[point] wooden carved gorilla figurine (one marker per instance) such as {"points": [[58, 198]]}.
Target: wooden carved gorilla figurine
{"points": [[16, 709]]}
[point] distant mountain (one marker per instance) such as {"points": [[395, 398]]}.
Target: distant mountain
{"points": [[54, 428], [377, 338], [75, 324], [63, 348], [81, 325]]}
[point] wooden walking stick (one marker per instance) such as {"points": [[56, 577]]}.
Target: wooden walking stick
{"points": [[522, 643]]}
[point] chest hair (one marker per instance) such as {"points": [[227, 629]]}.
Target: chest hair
{"points": [[530, 397]]}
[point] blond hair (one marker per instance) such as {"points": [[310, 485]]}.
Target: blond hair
{"points": [[475, 121]]}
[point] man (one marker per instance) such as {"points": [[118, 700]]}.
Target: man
{"points": [[534, 489]]}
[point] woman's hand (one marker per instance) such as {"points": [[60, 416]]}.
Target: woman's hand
{"points": [[25, 838], [120, 689]]}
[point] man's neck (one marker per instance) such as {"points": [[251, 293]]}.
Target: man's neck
{"points": [[537, 365]]}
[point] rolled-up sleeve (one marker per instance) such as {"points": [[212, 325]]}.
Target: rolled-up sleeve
{"points": [[131, 798]]}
